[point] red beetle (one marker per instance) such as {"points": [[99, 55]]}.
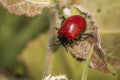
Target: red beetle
{"points": [[71, 28]]}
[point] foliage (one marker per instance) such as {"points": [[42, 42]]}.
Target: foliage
{"points": [[19, 34]]}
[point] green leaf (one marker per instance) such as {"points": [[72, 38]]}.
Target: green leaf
{"points": [[85, 70]]}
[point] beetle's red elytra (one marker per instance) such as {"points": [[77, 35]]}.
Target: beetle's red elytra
{"points": [[72, 27]]}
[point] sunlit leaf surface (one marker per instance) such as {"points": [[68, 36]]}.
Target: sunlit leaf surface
{"points": [[111, 45]]}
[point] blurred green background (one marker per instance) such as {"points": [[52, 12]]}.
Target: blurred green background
{"points": [[23, 43]]}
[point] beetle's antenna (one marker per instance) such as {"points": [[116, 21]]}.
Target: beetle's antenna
{"points": [[54, 44]]}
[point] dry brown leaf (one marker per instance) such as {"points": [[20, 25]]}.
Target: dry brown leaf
{"points": [[25, 7], [80, 49]]}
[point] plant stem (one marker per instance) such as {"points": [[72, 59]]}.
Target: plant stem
{"points": [[85, 70], [50, 51]]}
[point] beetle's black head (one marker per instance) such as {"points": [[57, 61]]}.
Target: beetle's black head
{"points": [[64, 40]]}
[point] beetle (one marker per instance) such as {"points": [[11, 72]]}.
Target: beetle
{"points": [[71, 29]]}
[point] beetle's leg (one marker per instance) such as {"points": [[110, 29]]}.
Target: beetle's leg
{"points": [[56, 28], [65, 47], [70, 42], [85, 36], [63, 19]]}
